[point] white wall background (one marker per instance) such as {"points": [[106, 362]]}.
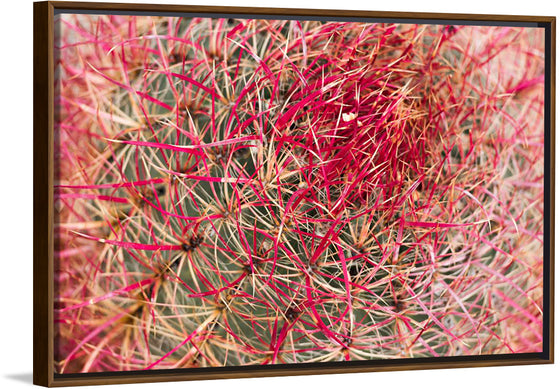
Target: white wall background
{"points": [[16, 210]]}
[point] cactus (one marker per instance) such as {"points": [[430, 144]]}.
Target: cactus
{"points": [[235, 192]]}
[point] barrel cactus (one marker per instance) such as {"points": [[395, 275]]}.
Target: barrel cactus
{"points": [[235, 192]]}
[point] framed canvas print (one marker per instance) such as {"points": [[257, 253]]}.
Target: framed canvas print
{"points": [[236, 192]]}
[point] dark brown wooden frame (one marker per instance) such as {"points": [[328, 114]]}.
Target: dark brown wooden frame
{"points": [[43, 97]]}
